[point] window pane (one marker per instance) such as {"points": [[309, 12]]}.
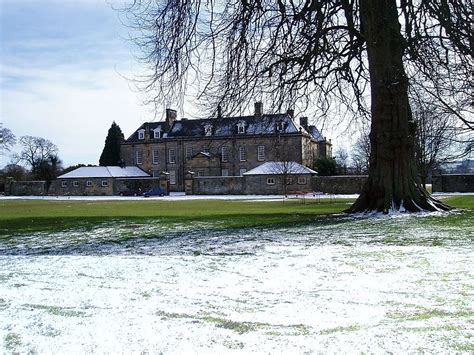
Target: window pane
{"points": [[302, 180], [189, 152], [225, 154], [139, 157], [261, 153], [242, 154], [172, 155]]}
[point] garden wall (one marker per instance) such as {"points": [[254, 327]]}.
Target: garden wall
{"points": [[247, 185], [346, 184], [26, 188], [453, 183], [218, 185]]}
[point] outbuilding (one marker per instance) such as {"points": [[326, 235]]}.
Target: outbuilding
{"points": [[100, 180], [279, 177]]}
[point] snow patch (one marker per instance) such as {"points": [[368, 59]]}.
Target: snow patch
{"points": [[356, 286]]}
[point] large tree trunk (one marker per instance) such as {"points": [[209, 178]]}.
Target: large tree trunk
{"points": [[393, 182]]}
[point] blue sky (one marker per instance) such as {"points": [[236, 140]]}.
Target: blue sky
{"points": [[64, 74]]}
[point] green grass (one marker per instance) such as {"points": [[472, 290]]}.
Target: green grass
{"points": [[56, 311], [46, 215], [12, 340], [460, 201]]}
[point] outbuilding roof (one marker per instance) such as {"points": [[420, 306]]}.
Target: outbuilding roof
{"points": [[104, 172], [280, 167]]}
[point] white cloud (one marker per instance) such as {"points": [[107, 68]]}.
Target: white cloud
{"points": [[71, 107]]}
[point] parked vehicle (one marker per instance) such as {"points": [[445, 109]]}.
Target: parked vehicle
{"points": [[131, 192], [156, 191]]}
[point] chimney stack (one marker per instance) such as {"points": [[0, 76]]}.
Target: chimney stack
{"points": [[171, 116], [258, 109], [147, 132], [304, 122], [219, 112], [290, 112]]}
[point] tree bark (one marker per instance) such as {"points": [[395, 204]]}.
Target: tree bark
{"points": [[393, 182]]}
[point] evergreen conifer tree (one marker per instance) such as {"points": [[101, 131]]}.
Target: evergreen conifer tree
{"points": [[111, 154]]}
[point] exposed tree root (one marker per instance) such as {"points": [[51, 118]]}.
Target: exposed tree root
{"points": [[418, 200]]}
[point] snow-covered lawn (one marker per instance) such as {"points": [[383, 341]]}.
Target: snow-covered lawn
{"points": [[389, 284]]}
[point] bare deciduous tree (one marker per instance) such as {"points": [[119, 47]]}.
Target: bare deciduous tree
{"points": [[35, 151], [7, 139], [17, 172], [342, 159], [439, 139], [283, 166], [361, 152], [321, 54]]}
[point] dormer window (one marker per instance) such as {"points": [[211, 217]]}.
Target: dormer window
{"points": [[241, 127], [157, 133], [141, 134], [280, 127], [208, 130]]}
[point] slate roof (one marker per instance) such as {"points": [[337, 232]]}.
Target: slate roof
{"points": [[279, 167], [150, 126], [314, 132], [104, 172], [228, 126]]}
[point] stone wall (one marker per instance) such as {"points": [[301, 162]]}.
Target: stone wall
{"points": [[346, 184], [250, 185], [144, 184], [26, 188], [453, 183], [218, 185], [225, 185]]}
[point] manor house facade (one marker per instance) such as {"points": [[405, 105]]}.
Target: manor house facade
{"points": [[221, 146]]}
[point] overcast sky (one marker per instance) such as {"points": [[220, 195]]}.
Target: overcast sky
{"points": [[65, 70]]}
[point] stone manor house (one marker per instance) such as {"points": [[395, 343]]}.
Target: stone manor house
{"points": [[221, 146]]}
